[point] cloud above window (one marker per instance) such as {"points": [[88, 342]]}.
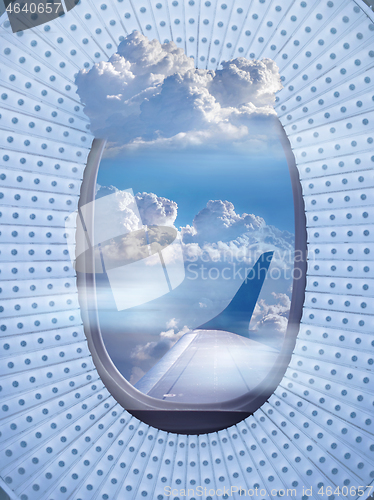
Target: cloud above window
{"points": [[151, 94]]}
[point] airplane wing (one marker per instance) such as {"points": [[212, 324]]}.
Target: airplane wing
{"points": [[211, 365]]}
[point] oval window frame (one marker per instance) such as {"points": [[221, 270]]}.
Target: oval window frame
{"points": [[186, 418]]}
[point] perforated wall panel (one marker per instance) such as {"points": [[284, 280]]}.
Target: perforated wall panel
{"points": [[62, 434]]}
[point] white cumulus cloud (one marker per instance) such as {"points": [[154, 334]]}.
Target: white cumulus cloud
{"points": [[120, 217], [243, 81], [151, 93], [272, 317], [119, 208], [219, 219], [155, 210]]}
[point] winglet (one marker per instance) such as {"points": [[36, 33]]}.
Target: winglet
{"points": [[237, 315]]}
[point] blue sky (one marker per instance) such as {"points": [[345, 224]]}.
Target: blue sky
{"points": [[258, 184]]}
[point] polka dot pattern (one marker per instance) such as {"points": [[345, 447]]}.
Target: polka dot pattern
{"points": [[62, 435]]}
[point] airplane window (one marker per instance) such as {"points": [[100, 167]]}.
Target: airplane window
{"points": [[189, 240]]}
